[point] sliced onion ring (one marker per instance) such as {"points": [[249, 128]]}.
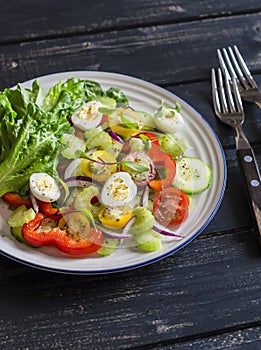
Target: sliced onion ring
{"points": [[81, 181], [115, 136], [34, 203], [128, 225], [112, 234], [144, 200], [116, 235], [72, 166], [165, 232], [70, 170]]}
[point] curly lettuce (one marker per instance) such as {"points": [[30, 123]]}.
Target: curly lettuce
{"points": [[31, 125]]}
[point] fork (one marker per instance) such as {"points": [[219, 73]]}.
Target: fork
{"points": [[233, 65], [229, 109]]}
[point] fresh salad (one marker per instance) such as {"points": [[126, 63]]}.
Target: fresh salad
{"points": [[85, 172]]}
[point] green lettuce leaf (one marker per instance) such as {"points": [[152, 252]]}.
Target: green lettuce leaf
{"points": [[31, 125], [117, 95], [29, 136]]}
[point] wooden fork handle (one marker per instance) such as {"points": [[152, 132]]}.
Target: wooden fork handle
{"points": [[250, 171]]}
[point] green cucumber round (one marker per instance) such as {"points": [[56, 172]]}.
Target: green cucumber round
{"points": [[149, 241], [192, 175]]}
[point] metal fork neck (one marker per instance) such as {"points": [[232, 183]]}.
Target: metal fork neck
{"points": [[241, 140], [258, 104]]}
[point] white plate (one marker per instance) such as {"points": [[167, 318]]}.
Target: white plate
{"points": [[204, 144]]}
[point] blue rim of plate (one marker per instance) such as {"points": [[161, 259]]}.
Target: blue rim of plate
{"points": [[163, 255]]}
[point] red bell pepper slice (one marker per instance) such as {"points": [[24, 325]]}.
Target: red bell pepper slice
{"points": [[48, 210], [167, 163], [15, 200], [33, 234]]}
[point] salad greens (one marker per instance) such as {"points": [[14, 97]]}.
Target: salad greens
{"points": [[31, 124]]}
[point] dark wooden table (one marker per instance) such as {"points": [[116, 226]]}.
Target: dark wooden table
{"points": [[207, 295]]}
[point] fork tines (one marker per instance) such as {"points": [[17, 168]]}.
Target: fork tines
{"points": [[226, 99], [233, 65]]}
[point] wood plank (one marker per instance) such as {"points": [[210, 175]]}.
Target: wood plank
{"points": [[247, 339], [165, 55], [25, 61], [24, 20], [198, 95], [214, 284]]}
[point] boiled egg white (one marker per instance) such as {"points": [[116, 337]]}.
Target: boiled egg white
{"points": [[118, 190], [87, 116], [168, 119], [44, 187]]}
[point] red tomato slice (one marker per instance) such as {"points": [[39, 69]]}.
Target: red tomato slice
{"points": [[170, 206], [163, 161]]}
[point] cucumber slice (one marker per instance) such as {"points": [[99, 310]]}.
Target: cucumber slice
{"points": [[83, 200], [192, 175], [108, 247], [20, 216], [144, 221], [149, 241], [17, 234]]}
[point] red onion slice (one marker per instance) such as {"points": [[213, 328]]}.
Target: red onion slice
{"points": [[81, 181], [117, 235], [115, 136], [165, 232], [128, 225], [144, 200], [111, 234]]}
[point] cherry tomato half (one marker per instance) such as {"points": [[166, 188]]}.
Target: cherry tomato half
{"points": [[170, 206], [162, 161], [96, 169]]}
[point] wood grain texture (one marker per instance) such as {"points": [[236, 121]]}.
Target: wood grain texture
{"points": [[156, 303], [32, 19], [199, 96], [164, 54], [207, 295], [247, 339]]}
